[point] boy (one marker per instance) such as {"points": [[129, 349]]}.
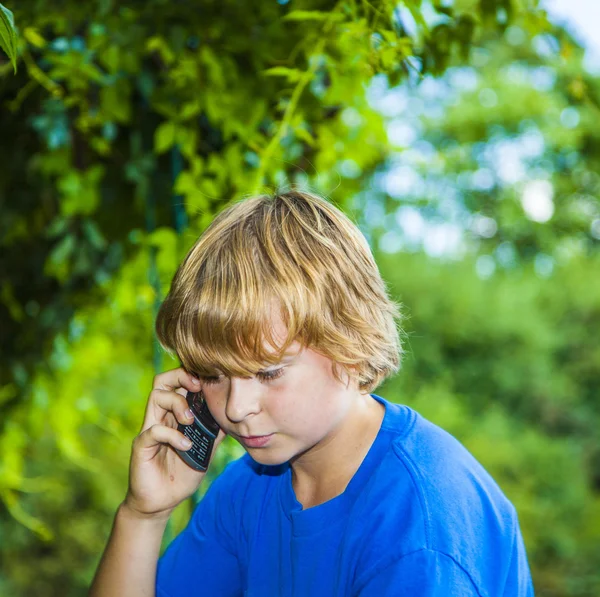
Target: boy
{"points": [[280, 316]]}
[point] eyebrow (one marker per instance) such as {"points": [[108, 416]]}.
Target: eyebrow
{"points": [[287, 357]]}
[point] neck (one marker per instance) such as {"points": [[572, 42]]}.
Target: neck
{"points": [[325, 471]]}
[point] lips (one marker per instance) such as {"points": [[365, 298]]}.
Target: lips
{"points": [[255, 442]]}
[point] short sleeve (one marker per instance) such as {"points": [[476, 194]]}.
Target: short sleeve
{"points": [[423, 573], [518, 582], [202, 559]]}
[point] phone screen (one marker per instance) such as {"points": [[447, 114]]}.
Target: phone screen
{"points": [[202, 433]]}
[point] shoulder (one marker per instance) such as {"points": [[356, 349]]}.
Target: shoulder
{"points": [[427, 465], [431, 496], [451, 483]]}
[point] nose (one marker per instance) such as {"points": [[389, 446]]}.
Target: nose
{"points": [[242, 400]]}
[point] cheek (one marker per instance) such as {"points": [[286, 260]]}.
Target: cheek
{"points": [[288, 410], [216, 405], [302, 413]]}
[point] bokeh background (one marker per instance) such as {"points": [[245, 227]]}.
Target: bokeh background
{"points": [[463, 137]]}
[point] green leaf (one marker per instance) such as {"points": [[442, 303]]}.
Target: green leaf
{"points": [[293, 74], [312, 15], [33, 36], [11, 501], [186, 138], [115, 101], [8, 35], [414, 6], [57, 264], [190, 110], [304, 135], [185, 183], [93, 234], [305, 15], [164, 137]]}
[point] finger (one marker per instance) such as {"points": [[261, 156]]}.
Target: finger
{"points": [[169, 380], [175, 378], [161, 434], [163, 402], [175, 403]]}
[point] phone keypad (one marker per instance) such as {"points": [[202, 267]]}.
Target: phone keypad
{"points": [[202, 444], [202, 433]]}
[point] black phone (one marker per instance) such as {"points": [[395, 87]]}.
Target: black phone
{"points": [[202, 433]]}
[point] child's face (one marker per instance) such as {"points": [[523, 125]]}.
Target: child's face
{"points": [[302, 409]]}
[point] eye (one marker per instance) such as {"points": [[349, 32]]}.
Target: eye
{"points": [[269, 375], [209, 380], [262, 375]]}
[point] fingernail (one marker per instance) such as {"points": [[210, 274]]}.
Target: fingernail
{"points": [[189, 414], [186, 443], [195, 380]]}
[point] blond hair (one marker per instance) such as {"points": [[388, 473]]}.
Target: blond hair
{"points": [[296, 251]]}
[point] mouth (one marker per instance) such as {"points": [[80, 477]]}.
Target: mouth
{"points": [[257, 441]]}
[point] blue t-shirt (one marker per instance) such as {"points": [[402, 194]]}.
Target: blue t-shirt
{"points": [[419, 518]]}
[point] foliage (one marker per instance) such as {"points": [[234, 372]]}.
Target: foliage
{"points": [[8, 35], [504, 148], [472, 344], [510, 366], [132, 125], [120, 107]]}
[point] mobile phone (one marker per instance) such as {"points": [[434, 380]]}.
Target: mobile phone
{"points": [[202, 433]]}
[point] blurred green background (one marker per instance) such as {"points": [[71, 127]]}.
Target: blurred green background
{"points": [[463, 137]]}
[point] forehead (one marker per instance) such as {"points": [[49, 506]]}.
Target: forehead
{"points": [[273, 340], [279, 331], [292, 353]]}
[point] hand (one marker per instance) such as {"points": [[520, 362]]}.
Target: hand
{"points": [[159, 479]]}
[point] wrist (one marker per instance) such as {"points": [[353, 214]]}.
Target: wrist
{"points": [[129, 512]]}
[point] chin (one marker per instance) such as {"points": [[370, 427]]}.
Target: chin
{"points": [[266, 457]]}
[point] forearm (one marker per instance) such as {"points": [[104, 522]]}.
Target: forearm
{"points": [[128, 565]]}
